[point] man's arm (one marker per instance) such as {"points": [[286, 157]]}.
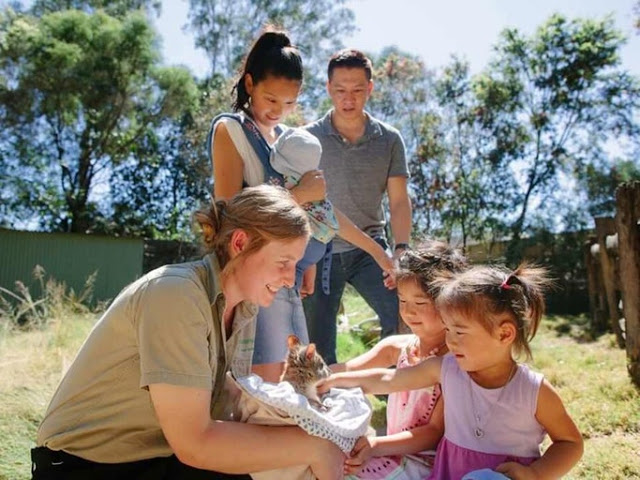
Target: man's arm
{"points": [[399, 208]]}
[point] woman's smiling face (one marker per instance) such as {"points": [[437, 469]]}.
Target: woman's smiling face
{"points": [[264, 272], [272, 99]]}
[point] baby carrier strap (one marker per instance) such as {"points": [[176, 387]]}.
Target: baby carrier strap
{"points": [[257, 141]]}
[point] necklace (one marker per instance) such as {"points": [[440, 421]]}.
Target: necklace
{"points": [[414, 354], [480, 424]]}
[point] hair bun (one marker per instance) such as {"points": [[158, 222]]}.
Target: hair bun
{"points": [[275, 39]]}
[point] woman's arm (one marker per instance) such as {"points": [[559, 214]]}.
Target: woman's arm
{"points": [[379, 380], [567, 444], [228, 167], [352, 234], [383, 355], [232, 447]]}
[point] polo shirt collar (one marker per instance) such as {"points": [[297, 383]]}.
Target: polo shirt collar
{"points": [[372, 128]]}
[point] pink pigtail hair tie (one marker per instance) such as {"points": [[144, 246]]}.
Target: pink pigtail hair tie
{"points": [[505, 284]]}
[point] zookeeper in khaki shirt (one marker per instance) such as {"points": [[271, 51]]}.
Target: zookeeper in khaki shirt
{"points": [[144, 397]]}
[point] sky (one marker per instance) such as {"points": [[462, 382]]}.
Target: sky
{"points": [[432, 29]]}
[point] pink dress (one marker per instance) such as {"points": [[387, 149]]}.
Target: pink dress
{"points": [[486, 427], [405, 411]]}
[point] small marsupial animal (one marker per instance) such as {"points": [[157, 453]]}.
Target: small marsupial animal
{"points": [[303, 369]]}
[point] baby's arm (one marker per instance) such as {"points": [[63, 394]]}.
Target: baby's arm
{"points": [[378, 380], [567, 446], [352, 234], [308, 281], [384, 354]]}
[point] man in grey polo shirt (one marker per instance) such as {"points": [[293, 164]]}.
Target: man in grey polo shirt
{"points": [[362, 158]]}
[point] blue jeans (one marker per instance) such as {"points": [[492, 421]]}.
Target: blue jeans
{"points": [[484, 474], [360, 270], [275, 323]]}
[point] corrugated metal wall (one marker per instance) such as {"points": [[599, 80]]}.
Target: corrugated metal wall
{"points": [[70, 258]]}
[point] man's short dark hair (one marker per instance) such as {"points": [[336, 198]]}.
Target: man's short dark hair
{"points": [[350, 58]]}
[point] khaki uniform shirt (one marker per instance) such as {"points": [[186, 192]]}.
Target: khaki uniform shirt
{"points": [[166, 327]]}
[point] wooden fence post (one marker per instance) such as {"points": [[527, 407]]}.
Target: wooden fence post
{"points": [[605, 226], [597, 300], [627, 215]]}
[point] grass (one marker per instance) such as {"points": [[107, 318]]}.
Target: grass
{"points": [[31, 365], [589, 373]]}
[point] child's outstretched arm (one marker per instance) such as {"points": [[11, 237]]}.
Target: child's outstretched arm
{"points": [[384, 354], [379, 380], [424, 437], [567, 446]]}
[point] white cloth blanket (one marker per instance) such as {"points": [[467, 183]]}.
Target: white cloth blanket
{"points": [[345, 420]]}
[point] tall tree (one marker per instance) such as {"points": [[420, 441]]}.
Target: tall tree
{"points": [[80, 93], [474, 187], [225, 29], [403, 97], [157, 192], [116, 8], [553, 102]]}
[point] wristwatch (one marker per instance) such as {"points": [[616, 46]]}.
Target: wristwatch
{"points": [[405, 246]]}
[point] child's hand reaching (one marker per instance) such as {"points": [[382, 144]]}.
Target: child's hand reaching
{"points": [[362, 451], [324, 385]]}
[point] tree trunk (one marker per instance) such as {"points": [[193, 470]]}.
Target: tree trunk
{"points": [[627, 215]]}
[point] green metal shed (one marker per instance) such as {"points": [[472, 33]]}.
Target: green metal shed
{"points": [[70, 258]]}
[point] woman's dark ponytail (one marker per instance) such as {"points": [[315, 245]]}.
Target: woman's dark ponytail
{"points": [[271, 54]]}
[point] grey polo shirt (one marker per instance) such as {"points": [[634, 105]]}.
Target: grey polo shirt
{"points": [[357, 173]]}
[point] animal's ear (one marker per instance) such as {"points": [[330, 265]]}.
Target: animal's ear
{"points": [[311, 350], [292, 341]]}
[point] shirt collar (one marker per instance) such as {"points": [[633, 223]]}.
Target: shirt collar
{"points": [[245, 311], [372, 128]]}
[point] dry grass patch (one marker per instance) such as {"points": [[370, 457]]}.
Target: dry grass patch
{"points": [[31, 365]]}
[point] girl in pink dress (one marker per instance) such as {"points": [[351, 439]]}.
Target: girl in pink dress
{"points": [[414, 417], [496, 411]]}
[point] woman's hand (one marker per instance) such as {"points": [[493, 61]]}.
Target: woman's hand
{"points": [[310, 188], [361, 453], [328, 460]]}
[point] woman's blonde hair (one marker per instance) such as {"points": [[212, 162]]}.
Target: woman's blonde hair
{"points": [[264, 212]]}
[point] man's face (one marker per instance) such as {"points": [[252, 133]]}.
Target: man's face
{"points": [[349, 90]]}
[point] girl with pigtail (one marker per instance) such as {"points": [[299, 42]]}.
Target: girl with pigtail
{"points": [[240, 145], [496, 410]]}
